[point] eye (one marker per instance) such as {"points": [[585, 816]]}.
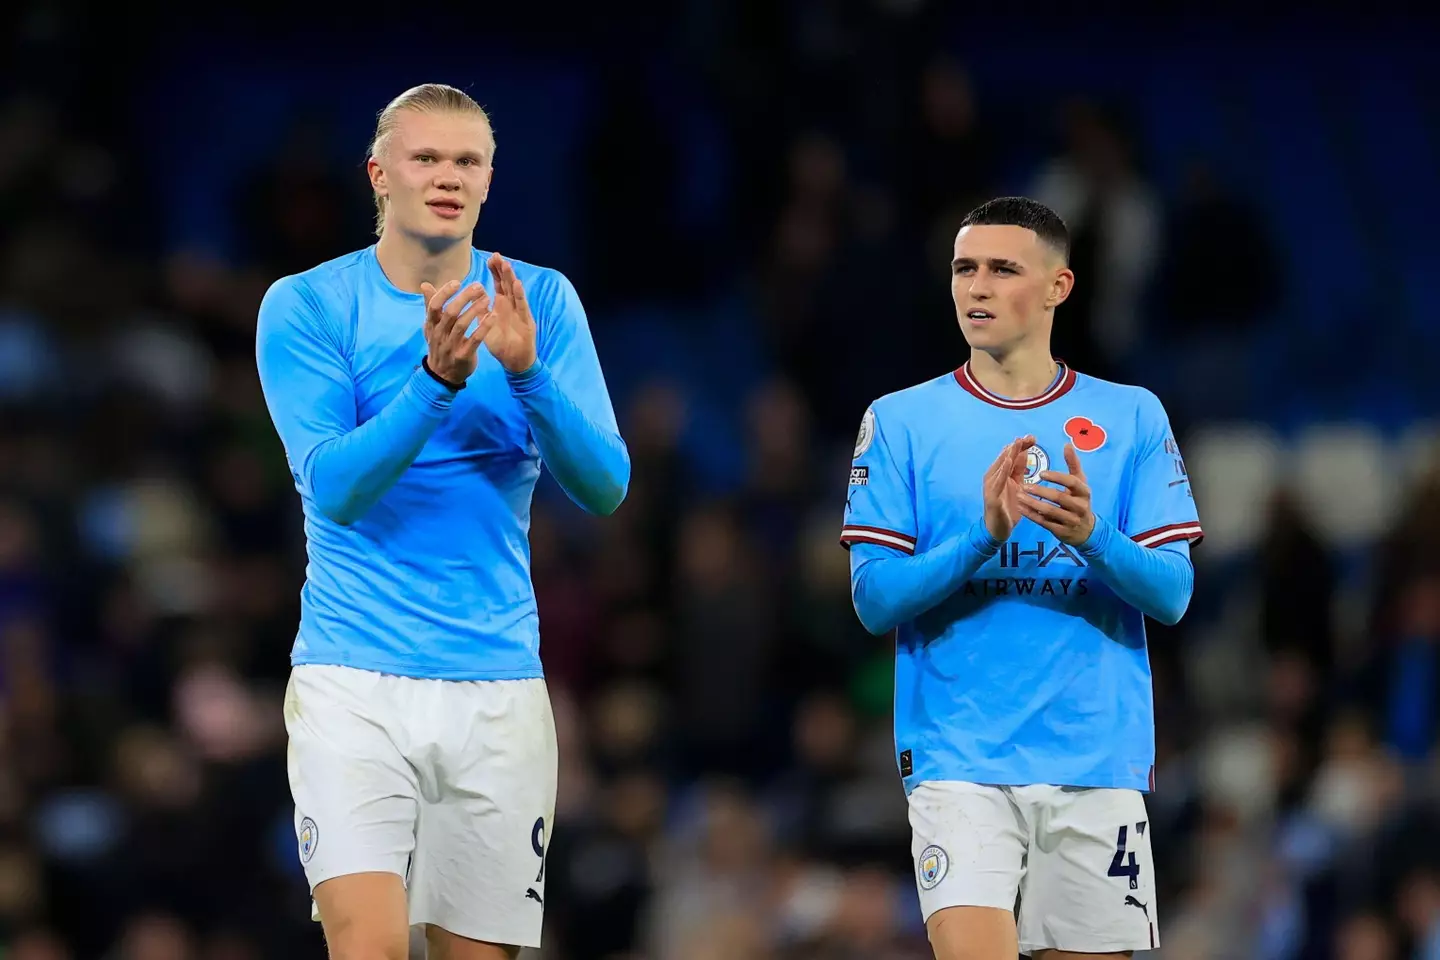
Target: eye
{"points": [[424, 157], [1006, 270], [964, 270]]}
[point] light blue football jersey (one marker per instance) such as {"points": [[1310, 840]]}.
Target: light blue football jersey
{"points": [[1034, 672], [430, 578]]}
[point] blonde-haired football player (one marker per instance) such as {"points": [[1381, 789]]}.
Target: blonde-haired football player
{"points": [[419, 386]]}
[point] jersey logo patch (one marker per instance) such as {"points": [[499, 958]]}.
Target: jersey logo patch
{"points": [[859, 476], [1036, 462], [934, 864], [309, 839], [1087, 435], [867, 434]]}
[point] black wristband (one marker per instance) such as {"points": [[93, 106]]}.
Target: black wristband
{"points": [[425, 364]]}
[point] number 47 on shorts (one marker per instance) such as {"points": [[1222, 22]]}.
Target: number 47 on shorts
{"points": [[1120, 866]]}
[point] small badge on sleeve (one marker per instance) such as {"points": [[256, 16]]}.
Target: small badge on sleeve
{"points": [[907, 763], [859, 476], [867, 434]]}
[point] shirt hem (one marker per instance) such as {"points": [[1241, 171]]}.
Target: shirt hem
{"points": [[1138, 784], [413, 672]]}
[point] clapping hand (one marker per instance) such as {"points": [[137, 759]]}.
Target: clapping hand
{"points": [[1066, 511], [509, 329], [1002, 488], [452, 354]]}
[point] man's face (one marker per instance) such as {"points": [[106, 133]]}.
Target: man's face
{"points": [[434, 171], [1004, 279]]}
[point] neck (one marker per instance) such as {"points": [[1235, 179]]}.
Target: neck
{"points": [[409, 261], [1024, 371]]}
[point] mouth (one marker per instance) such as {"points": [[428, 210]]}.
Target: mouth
{"points": [[979, 316], [447, 208]]}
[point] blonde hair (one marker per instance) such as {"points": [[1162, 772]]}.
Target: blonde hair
{"points": [[426, 98]]}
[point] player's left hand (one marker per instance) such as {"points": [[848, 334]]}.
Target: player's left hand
{"points": [[508, 330], [1064, 512]]}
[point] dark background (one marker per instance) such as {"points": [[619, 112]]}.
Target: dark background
{"points": [[756, 201]]}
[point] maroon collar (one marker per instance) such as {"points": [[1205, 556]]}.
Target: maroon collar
{"points": [[1062, 385]]}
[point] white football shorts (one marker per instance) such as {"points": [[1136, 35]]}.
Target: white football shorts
{"points": [[449, 784], [1077, 859]]}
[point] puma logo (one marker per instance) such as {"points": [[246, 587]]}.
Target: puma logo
{"points": [[532, 895], [1132, 902]]}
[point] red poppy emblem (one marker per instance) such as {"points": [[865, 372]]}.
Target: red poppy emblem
{"points": [[1086, 434]]}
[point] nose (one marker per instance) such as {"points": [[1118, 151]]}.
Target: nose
{"points": [[447, 177], [980, 287]]}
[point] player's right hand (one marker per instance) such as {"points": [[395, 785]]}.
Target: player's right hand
{"points": [[1003, 483], [452, 354]]}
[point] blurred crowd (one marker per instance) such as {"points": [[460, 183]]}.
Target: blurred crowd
{"points": [[728, 788]]}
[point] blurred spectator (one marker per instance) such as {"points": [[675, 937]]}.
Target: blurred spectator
{"points": [[1297, 587], [1366, 937], [295, 211], [155, 936], [825, 644], [38, 945], [625, 727], [734, 934], [1356, 783], [713, 877], [566, 595], [1211, 230], [780, 486], [1114, 217], [629, 189], [1413, 681], [1404, 554], [723, 668], [230, 946], [600, 874], [824, 748], [801, 250], [952, 155], [865, 923], [22, 895], [1420, 912]]}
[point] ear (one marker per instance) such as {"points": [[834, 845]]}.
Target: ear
{"points": [[377, 177], [1060, 286]]}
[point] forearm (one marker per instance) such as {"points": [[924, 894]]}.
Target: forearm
{"points": [[1157, 582], [348, 474], [588, 459], [891, 590]]}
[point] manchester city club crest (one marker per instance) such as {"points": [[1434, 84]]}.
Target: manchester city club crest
{"points": [[309, 839], [1036, 461], [933, 865], [867, 434]]}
